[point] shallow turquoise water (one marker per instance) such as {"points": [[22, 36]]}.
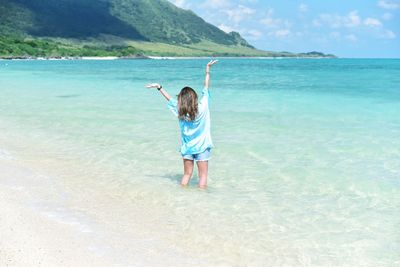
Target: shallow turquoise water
{"points": [[305, 170]]}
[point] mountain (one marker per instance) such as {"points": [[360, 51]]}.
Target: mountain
{"points": [[144, 20], [112, 27]]}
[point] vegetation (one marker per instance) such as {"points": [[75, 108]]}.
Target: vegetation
{"points": [[204, 48], [315, 54], [15, 47], [161, 21]]}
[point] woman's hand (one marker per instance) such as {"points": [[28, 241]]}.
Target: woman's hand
{"points": [[160, 88], [209, 64], [153, 85], [207, 79]]}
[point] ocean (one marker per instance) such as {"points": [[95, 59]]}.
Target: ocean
{"points": [[305, 170]]}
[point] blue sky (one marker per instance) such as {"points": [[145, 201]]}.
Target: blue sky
{"points": [[356, 28]]}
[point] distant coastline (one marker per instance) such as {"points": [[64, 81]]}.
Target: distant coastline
{"points": [[50, 49], [71, 58], [154, 58]]}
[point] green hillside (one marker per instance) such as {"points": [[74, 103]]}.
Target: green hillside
{"points": [[112, 28], [146, 20]]}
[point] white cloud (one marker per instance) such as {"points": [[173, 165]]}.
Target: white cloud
{"points": [[387, 16], [226, 28], [353, 19], [239, 13], [351, 38], [385, 4], [303, 8], [335, 35], [180, 3], [388, 34], [254, 34], [216, 4], [371, 22], [277, 27], [282, 33], [251, 34], [272, 22], [336, 21], [353, 24]]}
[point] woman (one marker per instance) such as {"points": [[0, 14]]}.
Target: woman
{"points": [[194, 123]]}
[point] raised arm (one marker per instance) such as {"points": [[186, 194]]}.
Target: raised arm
{"points": [[207, 79], [159, 88]]}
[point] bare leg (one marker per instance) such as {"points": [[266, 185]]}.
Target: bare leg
{"points": [[202, 166], [187, 171]]}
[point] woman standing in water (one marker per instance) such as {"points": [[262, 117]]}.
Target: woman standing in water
{"points": [[194, 123]]}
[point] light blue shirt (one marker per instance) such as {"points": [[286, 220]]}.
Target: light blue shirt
{"points": [[195, 135]]}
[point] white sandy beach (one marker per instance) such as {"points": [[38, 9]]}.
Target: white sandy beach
{"points": [[29, 238]]}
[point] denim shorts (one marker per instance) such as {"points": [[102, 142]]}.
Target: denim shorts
{"points": [[203, 156]]}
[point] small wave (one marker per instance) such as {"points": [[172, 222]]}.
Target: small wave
{"points": [[67, 96], [63, 215], [4, 154], [259, 158]]}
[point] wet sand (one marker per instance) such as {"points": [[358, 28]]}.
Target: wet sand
{"points": [[29, 238]]}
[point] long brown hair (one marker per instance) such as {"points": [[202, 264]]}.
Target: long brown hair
{"points": [[187, 104]]}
